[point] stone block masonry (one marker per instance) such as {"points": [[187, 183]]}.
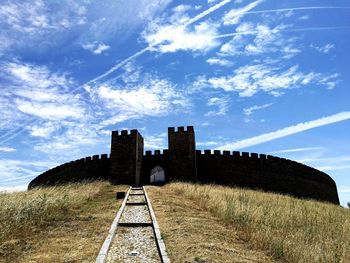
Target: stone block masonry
{"points": [[181, 161]]}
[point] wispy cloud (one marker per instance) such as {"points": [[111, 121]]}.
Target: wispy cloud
{"points": [[333, 168], [323, 49], [7, 149], [154, 26], [296, 9], [219, 61], [300, 127], [221, 103], [138, 95], [234, 16], [249, 79], [304, 149], [249, 111], [96, 48]]}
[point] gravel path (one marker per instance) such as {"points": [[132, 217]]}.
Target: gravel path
{"points": [[136, 199], [134, 244], [136, 214], [137, 192]]}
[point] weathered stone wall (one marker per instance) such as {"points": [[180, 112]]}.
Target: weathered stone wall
{"points": [[244, 169], [182, 154], [128, 165], [126, 157], [265, 172], [88, 168]]}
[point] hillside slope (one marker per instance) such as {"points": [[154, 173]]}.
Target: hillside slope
{"points": [[57, 224], [260, 227]]}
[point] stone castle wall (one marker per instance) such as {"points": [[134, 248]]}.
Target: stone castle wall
{"points": [[88, 168], [243, 169]]}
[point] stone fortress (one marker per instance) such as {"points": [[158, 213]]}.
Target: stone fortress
{"points": [[127, 164]]}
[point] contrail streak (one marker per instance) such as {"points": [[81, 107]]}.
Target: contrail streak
{"points": [[297, 8], [300, 127], [287, 30], [137, 54], [122, 63]]}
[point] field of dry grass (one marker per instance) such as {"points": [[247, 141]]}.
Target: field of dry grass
{"points": [[192, 234], [287, 229], [57, 224]]}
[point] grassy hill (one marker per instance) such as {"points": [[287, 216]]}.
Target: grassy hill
{"points": [[199, 223], [56, 224], [283, 228]]}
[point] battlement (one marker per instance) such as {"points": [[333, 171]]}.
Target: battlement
{"points": [[181, 129], [156, 152], [236, 154], [129, 164], [125, 132]]}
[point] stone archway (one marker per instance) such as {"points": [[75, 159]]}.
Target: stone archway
{"points": [[157, 175]]}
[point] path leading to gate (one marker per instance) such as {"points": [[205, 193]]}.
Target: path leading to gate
{"points": [[134, 235]]}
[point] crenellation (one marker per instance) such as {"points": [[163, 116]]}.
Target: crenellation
{"points": [[129, 164], [236, 154], [190, 128], [207, 152], [181, 129], [254, 155], [262, 156], [245, 154], [226, 153]]}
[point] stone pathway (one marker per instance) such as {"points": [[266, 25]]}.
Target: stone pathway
{"points": [[135, 239]]}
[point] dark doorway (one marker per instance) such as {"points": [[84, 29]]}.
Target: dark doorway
{"points": [[157, 175]]}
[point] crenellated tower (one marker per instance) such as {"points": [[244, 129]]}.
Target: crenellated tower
{"points": [[126, 157], [182, 154]]}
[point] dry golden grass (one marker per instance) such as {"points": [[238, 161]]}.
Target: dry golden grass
{"points": [[57, 224], [290, 229], [192, 234]]}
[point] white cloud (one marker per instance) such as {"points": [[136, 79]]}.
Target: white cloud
{"points": [[44, 130], [20, 171], [12, 189], [221, 103], [7, 149], [249, 79], [40, 26], [333, 168], [249, 111], [207, 143], [36, 91], [252, 40], [304, 149], [234, 16], [96, 48], [300, 127], [323, 49], [48, 111], [219, 61], [171, 38], [149, 96], [156, 142]]}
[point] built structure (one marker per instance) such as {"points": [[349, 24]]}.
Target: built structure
{"points": [[128, 164]]}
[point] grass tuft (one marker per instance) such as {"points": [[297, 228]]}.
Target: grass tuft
{"points": [[290, 229]]}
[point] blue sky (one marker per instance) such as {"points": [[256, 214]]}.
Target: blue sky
{"points": [[261, 76]]}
